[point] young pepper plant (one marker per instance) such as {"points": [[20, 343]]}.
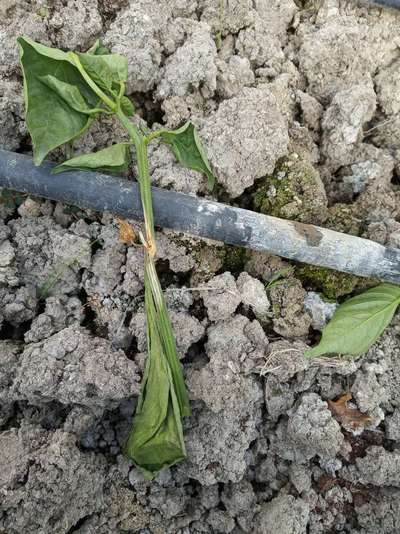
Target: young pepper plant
{"points": [[64, 93]]}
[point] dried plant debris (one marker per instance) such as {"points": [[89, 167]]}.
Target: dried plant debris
{"points": [[350, 418], [127, 233]]}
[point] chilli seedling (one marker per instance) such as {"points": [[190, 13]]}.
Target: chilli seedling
{"points": [[64, 93]]}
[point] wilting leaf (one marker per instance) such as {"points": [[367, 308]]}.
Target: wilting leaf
{"points": [[126, 232], [156, 440], [114, 158], [50, 119], [359, 322], [186, 146], [350, 418]]}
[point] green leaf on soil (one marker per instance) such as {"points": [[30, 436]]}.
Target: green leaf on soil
{"points": [[185, 144], [359, 322], [50, 119], [114, 158]]}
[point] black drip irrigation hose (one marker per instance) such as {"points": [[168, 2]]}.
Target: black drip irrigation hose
{"points": [[387, 3], [196, 216]]}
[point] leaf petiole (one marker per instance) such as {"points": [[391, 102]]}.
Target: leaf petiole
{"points": [[153, 135], [101, 110], [121, 91]]}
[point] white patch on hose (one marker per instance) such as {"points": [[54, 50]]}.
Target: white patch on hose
{"points": [[210, 208], [240, 225]]}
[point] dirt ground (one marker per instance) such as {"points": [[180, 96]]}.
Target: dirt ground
{"points": [[298, 106]]}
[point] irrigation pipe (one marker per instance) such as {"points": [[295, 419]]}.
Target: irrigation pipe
{"points": [[196, 216], [387, 3]]}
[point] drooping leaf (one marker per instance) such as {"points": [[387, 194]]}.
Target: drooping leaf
{"points": [[358, 323], [50, 119], [127, 107], [185, 144], [156, 440], [107, 72], [114, 158]]}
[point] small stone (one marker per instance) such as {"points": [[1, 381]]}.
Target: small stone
{"points": [[253, 294], [245, 138], [221, 521], [284, 514], [221, 297], [392, 425], [321, 311]]}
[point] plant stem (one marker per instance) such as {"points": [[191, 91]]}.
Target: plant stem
{"points": [[153, 288], [140, 143]]}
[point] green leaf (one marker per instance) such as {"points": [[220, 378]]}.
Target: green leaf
{"points": [[186, 146], [106, 70], [359, 322], [50, 119], [114, 158], [45, 51], [127, 107], [69, 93], [156, 440]]}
